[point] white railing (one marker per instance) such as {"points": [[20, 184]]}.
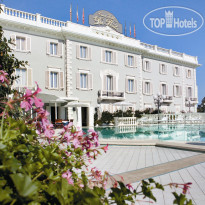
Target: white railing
{"points": [[52, 22], [32, 17], [174, 53], [125, 129], [125, 121], [181, 118], [149, 46], [163, 50], [19, 14]]}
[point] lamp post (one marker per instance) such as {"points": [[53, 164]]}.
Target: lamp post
{"points": [[158, 100], [188, 101]]}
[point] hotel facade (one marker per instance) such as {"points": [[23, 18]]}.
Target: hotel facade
{"points": [[84, 69]]}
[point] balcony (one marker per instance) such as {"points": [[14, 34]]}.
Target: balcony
{"points": [[191, 101], [111, 95], [168, 99]]}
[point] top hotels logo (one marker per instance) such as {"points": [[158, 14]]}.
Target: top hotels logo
{"points": [[173, 21]]}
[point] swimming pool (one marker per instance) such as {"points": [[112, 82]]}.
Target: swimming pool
{"points": [[191, 133]]}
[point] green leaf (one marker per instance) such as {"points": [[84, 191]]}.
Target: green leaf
{"points": [[24, 184], [5, 195], [2, 146]]}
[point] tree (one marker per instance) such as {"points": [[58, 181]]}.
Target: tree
{"points": [[201, 107], [8, 63]]}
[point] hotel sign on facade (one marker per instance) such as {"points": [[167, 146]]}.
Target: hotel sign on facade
{"points": [[105, 18]]}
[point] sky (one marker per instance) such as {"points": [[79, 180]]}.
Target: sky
{"points": [[132, 12]]}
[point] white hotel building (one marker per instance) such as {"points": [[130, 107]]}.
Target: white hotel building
{"points": [[96, 66]]}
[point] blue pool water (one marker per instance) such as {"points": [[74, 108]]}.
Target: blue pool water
{"points": [[192, 133]]}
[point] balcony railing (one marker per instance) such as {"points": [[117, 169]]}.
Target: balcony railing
{"points": [[191, 99], [112, 95], [168, 99]]}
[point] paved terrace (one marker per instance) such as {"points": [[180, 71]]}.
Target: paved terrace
{"points": [[165, 162]]}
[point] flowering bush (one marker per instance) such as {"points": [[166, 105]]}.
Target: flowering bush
{"points": [[38, 167]]}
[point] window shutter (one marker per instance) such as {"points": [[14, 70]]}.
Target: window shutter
{"points": [[143, 87], [28, 43], [47, 79], [13, 40], [29, 78], [104, 83], [160, 68], [174, 73], [149, 66], [89, 53], [61, 81], [174, 90], [114, 83], [78, 80], [187, 92], [180, 91], [103, 55], [60, 49], [126, 84], [48, 48], [126, 60], [166, 89], [135, 86], [160, 88], [151, 88], [77, 51], [135, 61], [90, 81], [114, 57]]}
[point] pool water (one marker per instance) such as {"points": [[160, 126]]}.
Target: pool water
{"points": [[169, 132]]}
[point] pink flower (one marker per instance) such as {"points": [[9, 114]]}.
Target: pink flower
{"points": [[67, 175], [105, 148], [38, 90], [76, 143], [186, 187], [129, 186], [38, 102], [3, 77], [27, 104]]}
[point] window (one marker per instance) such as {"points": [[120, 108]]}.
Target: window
{"points": [[130, 85], [109, 83], [83, 80], [189, 92], [147, 88], [176, 71], [177, 90], [54, 79], [21, 43], [130, 61], [163, 69], [83, 52], [24, 77], [147, 66], [108, 55], [188, 73], [22, 80], [53, 48], [164, 89]]}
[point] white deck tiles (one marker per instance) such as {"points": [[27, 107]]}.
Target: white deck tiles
{"points": [[120, 159], [194, 174]]}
